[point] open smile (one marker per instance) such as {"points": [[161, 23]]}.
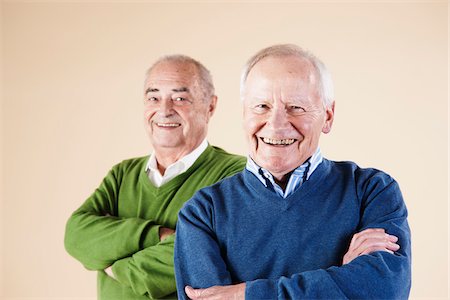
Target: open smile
{"points": [[168, 125], [277, 142]]}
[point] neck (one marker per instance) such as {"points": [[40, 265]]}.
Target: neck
{"points": [[281, 180], [167, 156]]}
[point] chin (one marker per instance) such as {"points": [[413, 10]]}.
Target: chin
{"points": [[166, 143], [279, 170], [275, 165]]}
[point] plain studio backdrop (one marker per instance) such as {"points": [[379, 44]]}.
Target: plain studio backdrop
{"points": [[72, 76]]}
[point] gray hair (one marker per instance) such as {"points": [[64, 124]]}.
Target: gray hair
{"points": [[325, 83], [204, 78]]}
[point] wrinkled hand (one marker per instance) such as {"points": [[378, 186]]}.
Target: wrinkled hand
{"points": [[164, 232], [109, 272], [368, 241], [235, 292]]}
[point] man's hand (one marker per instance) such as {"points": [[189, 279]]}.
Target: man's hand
{"points": [[235, 292], [164, 232], [109, 272], [370, 240]]}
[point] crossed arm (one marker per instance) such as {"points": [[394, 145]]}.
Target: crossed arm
{"points": [[374, 267], [136, 251], [164, 233], [362, 243]]}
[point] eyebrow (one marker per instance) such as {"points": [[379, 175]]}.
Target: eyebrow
{"points": [[182, 89], [177, 90]]}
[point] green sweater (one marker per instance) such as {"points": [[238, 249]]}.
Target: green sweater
{"points": [[119, 224]]}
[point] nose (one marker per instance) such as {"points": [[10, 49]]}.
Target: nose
{"points": [[165, 107], [278, 118]]}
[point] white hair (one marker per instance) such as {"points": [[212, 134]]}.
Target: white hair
{"points": [[204, 78], [326, 91]]}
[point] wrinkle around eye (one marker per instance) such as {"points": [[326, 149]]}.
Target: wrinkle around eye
{"points": [[260, 109], [296, 109], [181, 101]]}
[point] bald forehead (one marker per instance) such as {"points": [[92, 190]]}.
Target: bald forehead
{"points": [[181, 68], [282, 67], [168, 77]]}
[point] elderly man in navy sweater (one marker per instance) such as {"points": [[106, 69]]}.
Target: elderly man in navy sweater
{"points": [[293, 224]]}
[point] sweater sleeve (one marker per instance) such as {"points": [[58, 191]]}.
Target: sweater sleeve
{"points": [[379, 275], [150, 271], [198, 260], [97, 238]]}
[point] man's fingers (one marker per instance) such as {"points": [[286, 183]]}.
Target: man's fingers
{"points": [[370, 240], [360, 237], [348, 257], [373, 249], [393, 246], [393, 238], [165, 232], [199, 293], [380, 243], [368, 236], [191, 293]]}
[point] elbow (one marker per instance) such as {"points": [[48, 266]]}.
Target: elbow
{"points": [[395, 276], [70, 239], [73, 244], [401, 281]]}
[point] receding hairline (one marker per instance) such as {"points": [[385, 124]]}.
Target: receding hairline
{"points": [[172, 61], [307, 64], [320, 71], [279, 51], [202, 75]]}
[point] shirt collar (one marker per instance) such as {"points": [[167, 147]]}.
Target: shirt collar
{"points": [[175, 169], [296, 177]]}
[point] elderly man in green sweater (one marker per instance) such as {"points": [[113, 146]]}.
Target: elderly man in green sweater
{"points": [[125, 229]]}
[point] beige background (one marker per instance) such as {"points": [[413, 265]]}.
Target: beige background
{"points": [[71, 108]]}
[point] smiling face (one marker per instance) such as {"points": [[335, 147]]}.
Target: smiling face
{"points": [[175, 111], [283, 113]]}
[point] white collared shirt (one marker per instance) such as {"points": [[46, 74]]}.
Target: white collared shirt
{"points": [[175, 169]]}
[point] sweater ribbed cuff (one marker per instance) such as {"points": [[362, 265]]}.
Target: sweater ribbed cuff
{"points": [[120, 271], [150, 237]]}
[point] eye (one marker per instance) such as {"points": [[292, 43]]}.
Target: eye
{"points": [[179, 99], [260, 108], [152, 99], [296, 109]]}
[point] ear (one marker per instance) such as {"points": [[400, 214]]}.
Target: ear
{"points": [[212, 105], [329, 119]]}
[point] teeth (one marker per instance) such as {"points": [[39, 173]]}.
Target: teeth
{"points": [[278, 142], [168, 124]]}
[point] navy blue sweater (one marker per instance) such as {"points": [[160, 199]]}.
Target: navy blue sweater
{"points": [[239, 231]]}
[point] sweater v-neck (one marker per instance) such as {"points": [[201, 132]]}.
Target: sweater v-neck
{"points": [[178, 180], [269, 195]]}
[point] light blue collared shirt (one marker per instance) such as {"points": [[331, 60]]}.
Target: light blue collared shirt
{"points": [[297, 177]]}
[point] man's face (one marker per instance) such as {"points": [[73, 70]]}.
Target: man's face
{"points": [[175, 111], [283, 113]]}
